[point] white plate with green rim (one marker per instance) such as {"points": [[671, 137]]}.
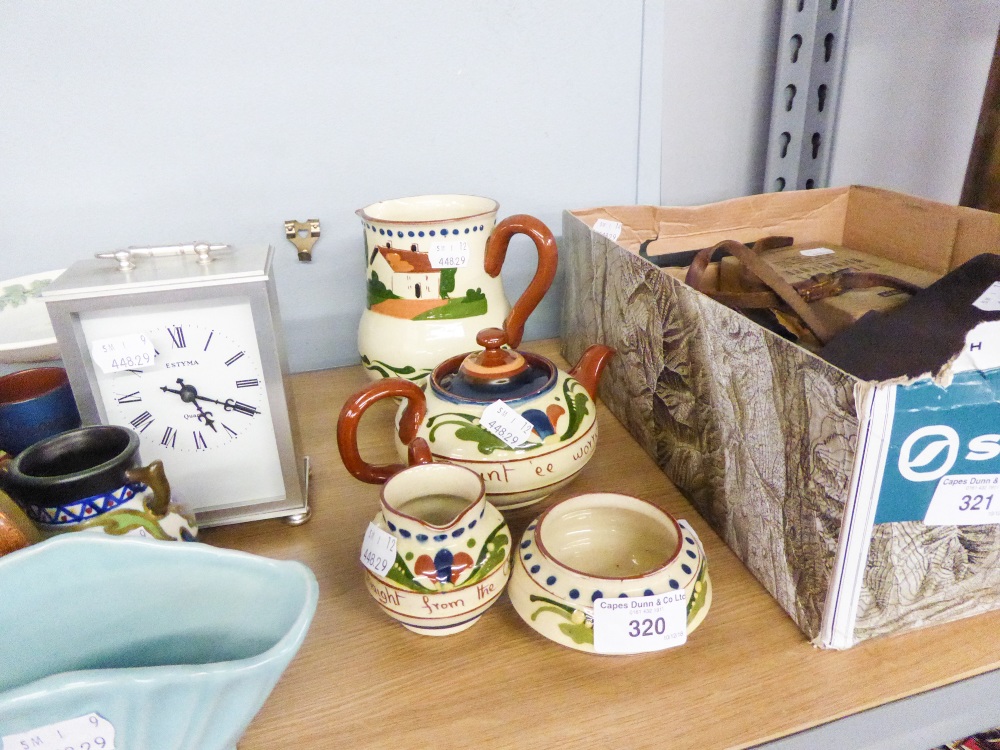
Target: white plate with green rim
{"points": [[26, 334]]}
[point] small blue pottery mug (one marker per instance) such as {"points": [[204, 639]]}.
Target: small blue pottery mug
{"points": [[35, 404]]}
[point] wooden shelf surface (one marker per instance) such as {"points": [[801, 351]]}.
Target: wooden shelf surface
{"points": [[746, 676]]}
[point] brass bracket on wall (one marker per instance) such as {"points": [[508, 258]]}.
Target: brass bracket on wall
{"points": [[303, 234]]}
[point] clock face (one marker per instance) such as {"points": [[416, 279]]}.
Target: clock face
{"points": [[203, 393], [200, 405]]}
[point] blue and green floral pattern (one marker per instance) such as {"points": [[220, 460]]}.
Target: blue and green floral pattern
{"points": [[491, 555], [469, 429], [17, 294]]}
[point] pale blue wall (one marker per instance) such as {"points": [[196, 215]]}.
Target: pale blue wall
{"points": [[174, 120]]}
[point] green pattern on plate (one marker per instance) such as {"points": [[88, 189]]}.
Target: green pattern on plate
{"points": [[17, 294]]}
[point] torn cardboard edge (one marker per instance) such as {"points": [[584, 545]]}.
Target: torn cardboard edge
{"points": [[922, 233], [875, 479], [915, 232]]}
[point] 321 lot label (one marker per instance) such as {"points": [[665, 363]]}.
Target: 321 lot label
{"points": [[965, 499]]}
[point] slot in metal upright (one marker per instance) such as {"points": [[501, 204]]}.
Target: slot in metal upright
{"points": [[808, 73]]}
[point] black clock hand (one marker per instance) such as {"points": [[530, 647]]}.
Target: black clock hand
{"points": [[205, 416], [189, 395]]}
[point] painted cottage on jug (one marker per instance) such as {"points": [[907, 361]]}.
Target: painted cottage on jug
{"points": [[408, 273]]}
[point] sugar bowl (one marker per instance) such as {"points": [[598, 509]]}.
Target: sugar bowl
{"points": [[599, 546]]}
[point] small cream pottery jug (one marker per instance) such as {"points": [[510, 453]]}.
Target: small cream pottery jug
{"points": [[434, 280], [558, 408], [452, 546]]}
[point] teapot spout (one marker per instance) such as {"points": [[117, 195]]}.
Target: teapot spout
{"points": [[590, 367]]}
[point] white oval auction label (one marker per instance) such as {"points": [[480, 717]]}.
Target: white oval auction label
{"points": [[89, 732], [378, 550]]}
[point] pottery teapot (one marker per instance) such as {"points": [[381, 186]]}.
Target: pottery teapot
{"points": [[433, 280], [457, 413]]}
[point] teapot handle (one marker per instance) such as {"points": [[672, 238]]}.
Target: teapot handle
{"points": [[496, 251], [413, 415]]}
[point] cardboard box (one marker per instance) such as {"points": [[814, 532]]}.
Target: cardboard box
{"points": [[830, 489]]}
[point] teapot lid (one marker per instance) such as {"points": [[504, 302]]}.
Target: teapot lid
{"points": [[493, 372]]}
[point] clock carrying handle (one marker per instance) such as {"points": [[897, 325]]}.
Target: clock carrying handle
{"points": [[413, 416], [548, 257], [156, 479]]}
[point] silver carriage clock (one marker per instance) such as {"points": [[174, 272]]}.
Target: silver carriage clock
{"points": [[183, 344]]}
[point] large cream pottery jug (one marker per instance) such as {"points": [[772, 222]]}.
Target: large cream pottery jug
{"points": [[433, 275]]}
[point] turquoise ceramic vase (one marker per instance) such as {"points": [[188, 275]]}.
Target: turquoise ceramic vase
{"points": [[165, 646]]}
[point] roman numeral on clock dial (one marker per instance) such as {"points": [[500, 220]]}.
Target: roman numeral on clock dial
{"points": [[143, 421], [240, 408], [177, 336], [169, 438]]}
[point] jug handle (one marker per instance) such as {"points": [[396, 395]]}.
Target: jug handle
{"points": [[496, 251], [413, 416], [156, 479]]}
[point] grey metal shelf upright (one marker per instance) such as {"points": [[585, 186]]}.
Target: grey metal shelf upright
{"points": [[808, 72]]}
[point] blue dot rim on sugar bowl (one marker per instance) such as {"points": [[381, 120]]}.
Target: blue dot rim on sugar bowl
{"points": [[175, 646], [603, 545]]}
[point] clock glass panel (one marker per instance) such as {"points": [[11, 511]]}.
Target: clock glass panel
{"points": [[201, 406]]}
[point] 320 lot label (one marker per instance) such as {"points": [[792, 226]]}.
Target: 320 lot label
{"points": [[639, 629], [633, 625]]}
